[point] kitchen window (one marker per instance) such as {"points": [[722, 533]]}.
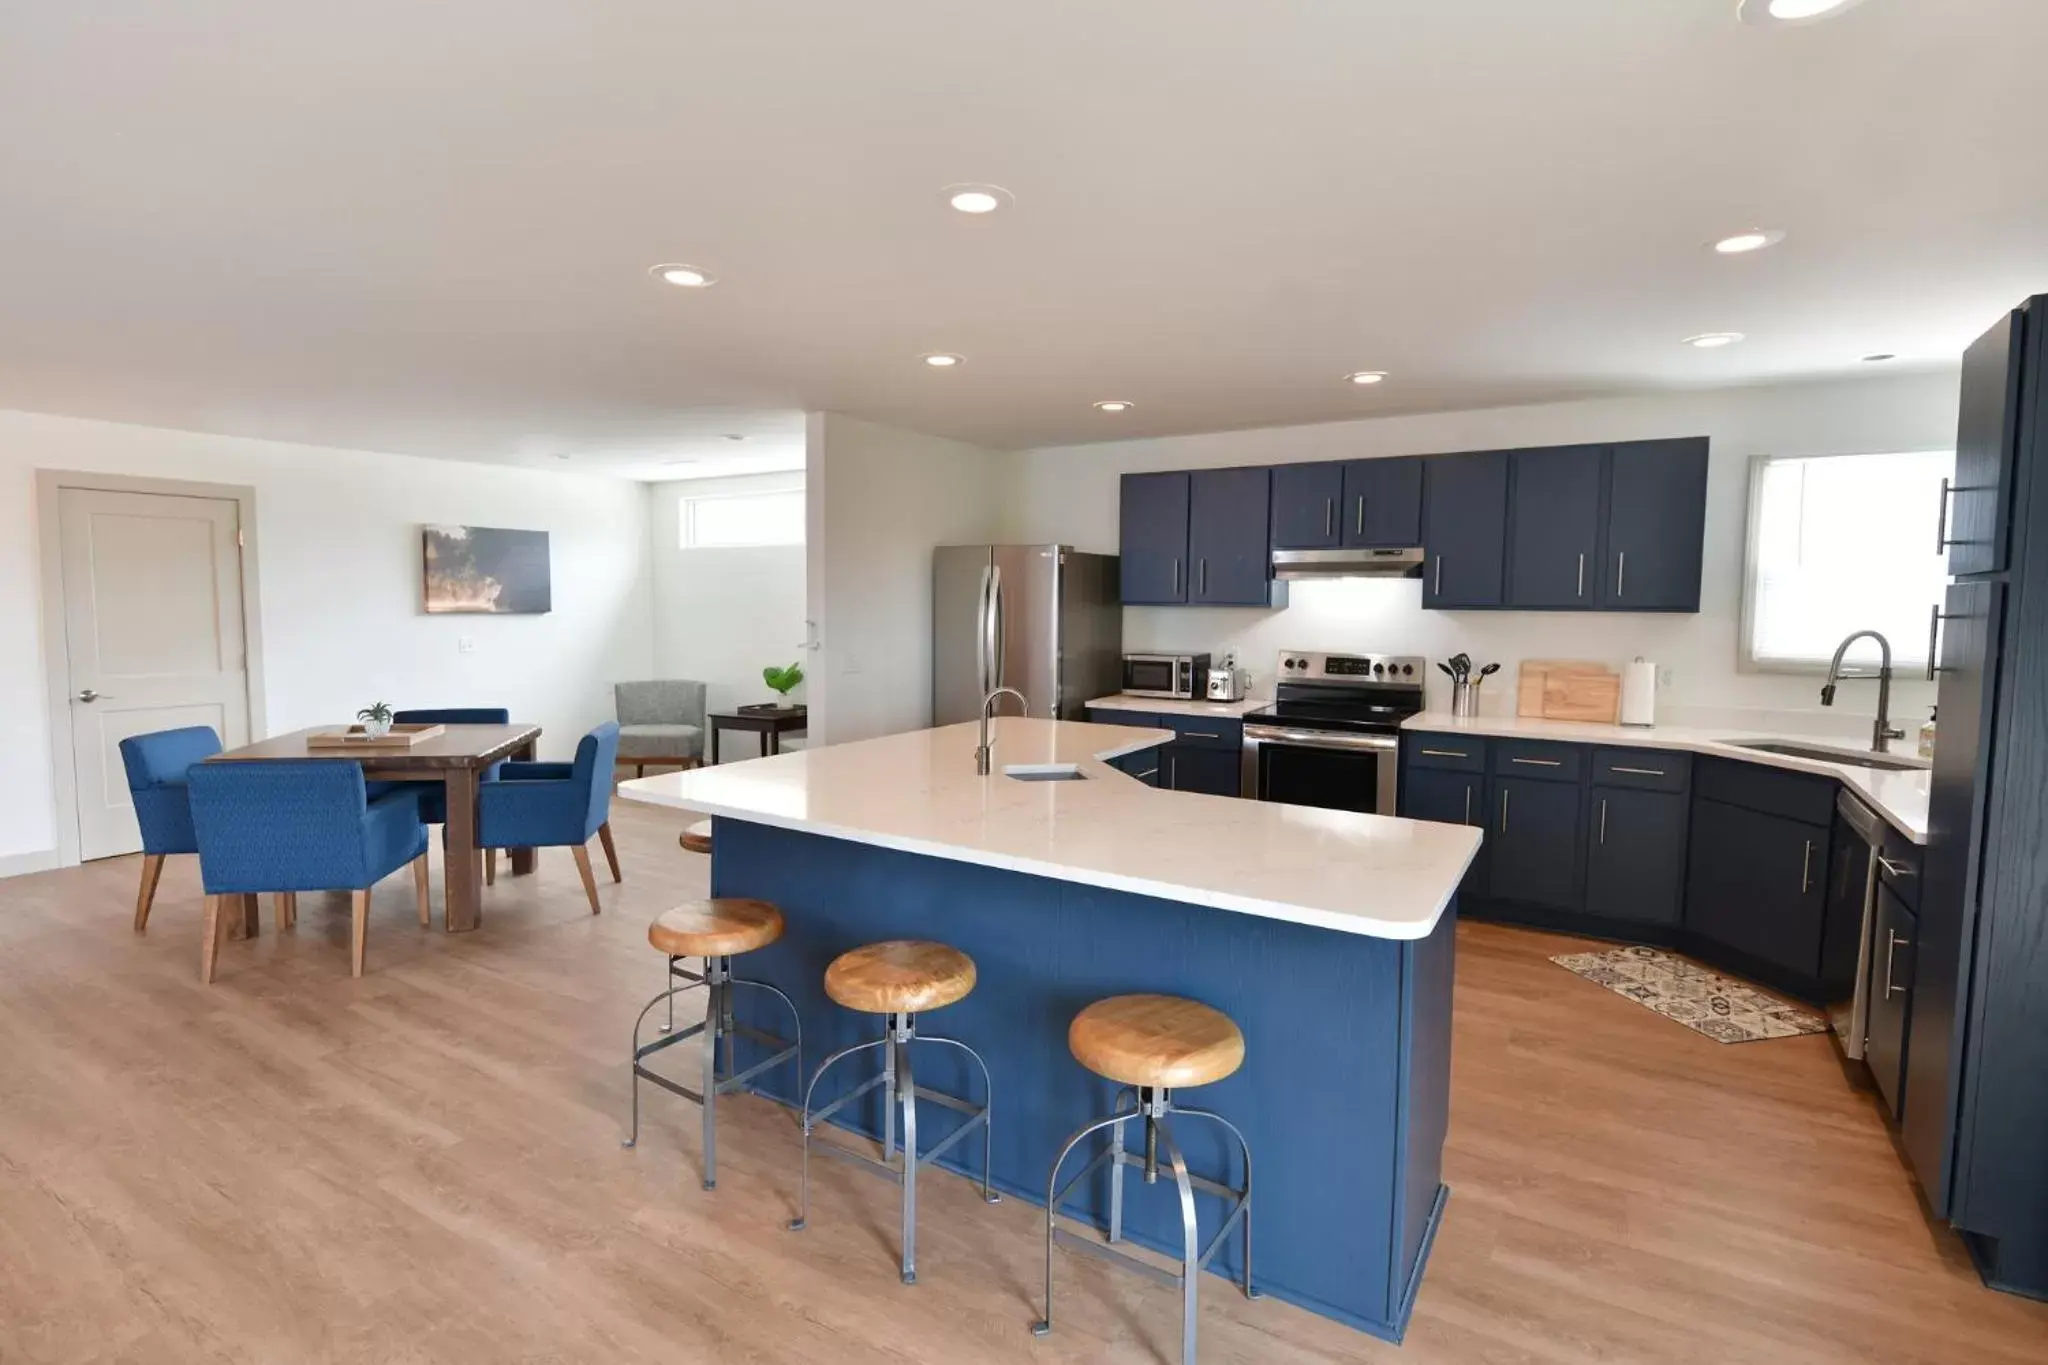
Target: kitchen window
{"points": [[1838, 544], [726, 520]]}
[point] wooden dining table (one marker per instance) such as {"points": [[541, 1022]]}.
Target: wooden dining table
{"points": [[456, 758]]}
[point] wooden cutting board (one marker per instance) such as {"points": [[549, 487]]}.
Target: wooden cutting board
{"points": [[1562, 689]]}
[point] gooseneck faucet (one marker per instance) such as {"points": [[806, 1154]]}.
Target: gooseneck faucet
{"points": [[1881, 733], [988, 703]]}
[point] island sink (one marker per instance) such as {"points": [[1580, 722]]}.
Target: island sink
{"points": [[1045, 772]]}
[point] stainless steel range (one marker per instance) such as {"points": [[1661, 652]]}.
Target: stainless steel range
{"points": [[1331, 738]]}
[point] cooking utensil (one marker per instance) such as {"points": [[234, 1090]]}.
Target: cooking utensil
{"points": [[1489, 670], [1449, 672]]}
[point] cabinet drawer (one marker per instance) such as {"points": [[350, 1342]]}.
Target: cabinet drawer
{"points": [[1661, 770], [1201, 732], [1898, 867], [1537, 759], [1771, 791], [1445, 751], [1142, 719]]}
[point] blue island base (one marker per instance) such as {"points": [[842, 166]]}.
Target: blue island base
{"points": [[1343, 1095]]}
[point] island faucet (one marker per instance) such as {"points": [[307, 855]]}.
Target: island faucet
{"points": [[1881, 734], [988, 703]]}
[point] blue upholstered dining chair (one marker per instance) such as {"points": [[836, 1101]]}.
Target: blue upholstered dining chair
{"points": [[300, 825], [434, 796], [156, 765], [550, 805]]}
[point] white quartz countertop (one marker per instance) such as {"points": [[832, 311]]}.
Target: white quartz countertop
{"points": [[1166, 706], [1900, 797], [918, 792]]}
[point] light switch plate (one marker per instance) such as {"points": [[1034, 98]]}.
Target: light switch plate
{"points": [[465, 644]]}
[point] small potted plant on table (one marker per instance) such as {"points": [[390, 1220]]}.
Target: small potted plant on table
{"points": [[376, 719], [782, 680]]}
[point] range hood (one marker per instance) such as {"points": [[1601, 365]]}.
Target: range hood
{"points": [[1403, 563]]}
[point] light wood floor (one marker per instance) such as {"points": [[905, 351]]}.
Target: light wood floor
{"points": [[424, 1166]]}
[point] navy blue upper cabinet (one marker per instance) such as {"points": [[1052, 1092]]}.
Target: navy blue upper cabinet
{"points": [[1153, 539], [1656, 525], [1229, 564], [1464, 529], [1975, 521], [1306, 503], [1553, 557], [1382, 503]]}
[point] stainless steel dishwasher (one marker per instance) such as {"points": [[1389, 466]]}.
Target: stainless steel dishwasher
{"points": [[1852, 893]]}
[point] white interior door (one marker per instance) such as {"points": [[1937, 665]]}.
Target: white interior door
{"points": [[153, 627]]}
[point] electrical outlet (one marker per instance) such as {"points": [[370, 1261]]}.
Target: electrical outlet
{"points": [[465, 644], [1663, 675]]}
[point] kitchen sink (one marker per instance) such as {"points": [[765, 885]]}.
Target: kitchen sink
{"points": [[1045, 772], [1854, 758]]}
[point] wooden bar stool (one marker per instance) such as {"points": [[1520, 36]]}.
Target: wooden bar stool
{"points": [[716, 931], [899, 980], [1153, 1044], [697, 838]]}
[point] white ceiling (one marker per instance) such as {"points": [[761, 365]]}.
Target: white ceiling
{"points": [[426, 228]]}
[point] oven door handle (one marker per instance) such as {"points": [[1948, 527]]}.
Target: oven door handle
{"points": [[1320, 739]]}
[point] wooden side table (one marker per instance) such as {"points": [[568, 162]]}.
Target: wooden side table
{"points": [[771, 723]]}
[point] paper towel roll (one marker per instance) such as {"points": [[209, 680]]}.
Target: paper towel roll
{"points": [[1639, 693]]}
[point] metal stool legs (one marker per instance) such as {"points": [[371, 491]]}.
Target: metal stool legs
{"points": [[720, 1031], [901, 1093], [1152, 1106]]}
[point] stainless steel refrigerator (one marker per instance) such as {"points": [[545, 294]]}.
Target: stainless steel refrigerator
{"points": [[1043, 619]]}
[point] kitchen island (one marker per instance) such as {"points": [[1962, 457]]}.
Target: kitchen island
{"points": [[1326, 935]]}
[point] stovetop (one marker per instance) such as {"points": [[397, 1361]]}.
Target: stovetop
{"points": [[1372, 693]]}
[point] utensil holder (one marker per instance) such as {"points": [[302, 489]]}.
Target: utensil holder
{"points": [[1465, 697]]}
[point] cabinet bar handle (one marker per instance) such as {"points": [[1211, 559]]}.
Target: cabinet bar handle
{"points": [[1176, 575], [1329, 516], [1620, 572], [1639, 772], [1540, 762], [1439, 588], [1361, 514], [1446, 753], [1204, 589], [1201, 734], [1941, 521], [1891, 948], [1896, 869], [1149, 772], [1503, 810], [1603, 820], [1468, 803], [1582, 573], [1173, 771], [1806, 868]]}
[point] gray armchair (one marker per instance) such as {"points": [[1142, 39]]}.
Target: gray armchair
{"points": [[660, 723]]}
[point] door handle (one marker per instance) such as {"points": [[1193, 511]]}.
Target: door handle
{"points": [[1468, 803], [1895, 869], [1329, 517], [1603, 821], [1620, 572], [1539, 762], [88, 696], [1891, 949], [1941, 541], [1446, 753], [1176, 575], [1361, 514], [1582, 573], [1503, 810], [1806, 868], [1934, 620], [1438, 589]]}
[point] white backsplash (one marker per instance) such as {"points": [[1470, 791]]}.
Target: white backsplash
{"points": [[1699, 685]]}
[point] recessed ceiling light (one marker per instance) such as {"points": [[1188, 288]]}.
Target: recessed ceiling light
{"points": [[978, 199], [1876, 357], [684, 276], [1792, 11], [735, 436], [1114, 405], [1365, 376], [1756, 239], [1707, 341], [941, 360], [565, 457]]}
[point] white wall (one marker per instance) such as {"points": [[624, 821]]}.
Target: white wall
{"points": [[339, 572], [1070, 494], [722, 615], [880, 500]]}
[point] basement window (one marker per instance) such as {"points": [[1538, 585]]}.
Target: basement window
{"points": [[1838, 544], [728, 520]]}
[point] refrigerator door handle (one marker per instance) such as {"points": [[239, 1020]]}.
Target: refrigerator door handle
{"points": [[985, 660], [996, 624]]}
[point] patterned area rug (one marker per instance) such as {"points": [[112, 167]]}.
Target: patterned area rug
{"points": [[1722, 1008]]}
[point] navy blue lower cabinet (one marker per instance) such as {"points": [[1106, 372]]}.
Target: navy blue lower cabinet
{"points": [[1449, 797], [1202, 768], [1144, 765], [1344, 1095], [1896, 932], [1536, 829], [1635, 855], [1756, 886]]}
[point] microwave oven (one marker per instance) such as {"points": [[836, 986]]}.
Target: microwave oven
{"points": [[1176, 677]]}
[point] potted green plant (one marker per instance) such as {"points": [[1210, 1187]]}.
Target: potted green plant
{"points": [[783, 679], [376, 719]]}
